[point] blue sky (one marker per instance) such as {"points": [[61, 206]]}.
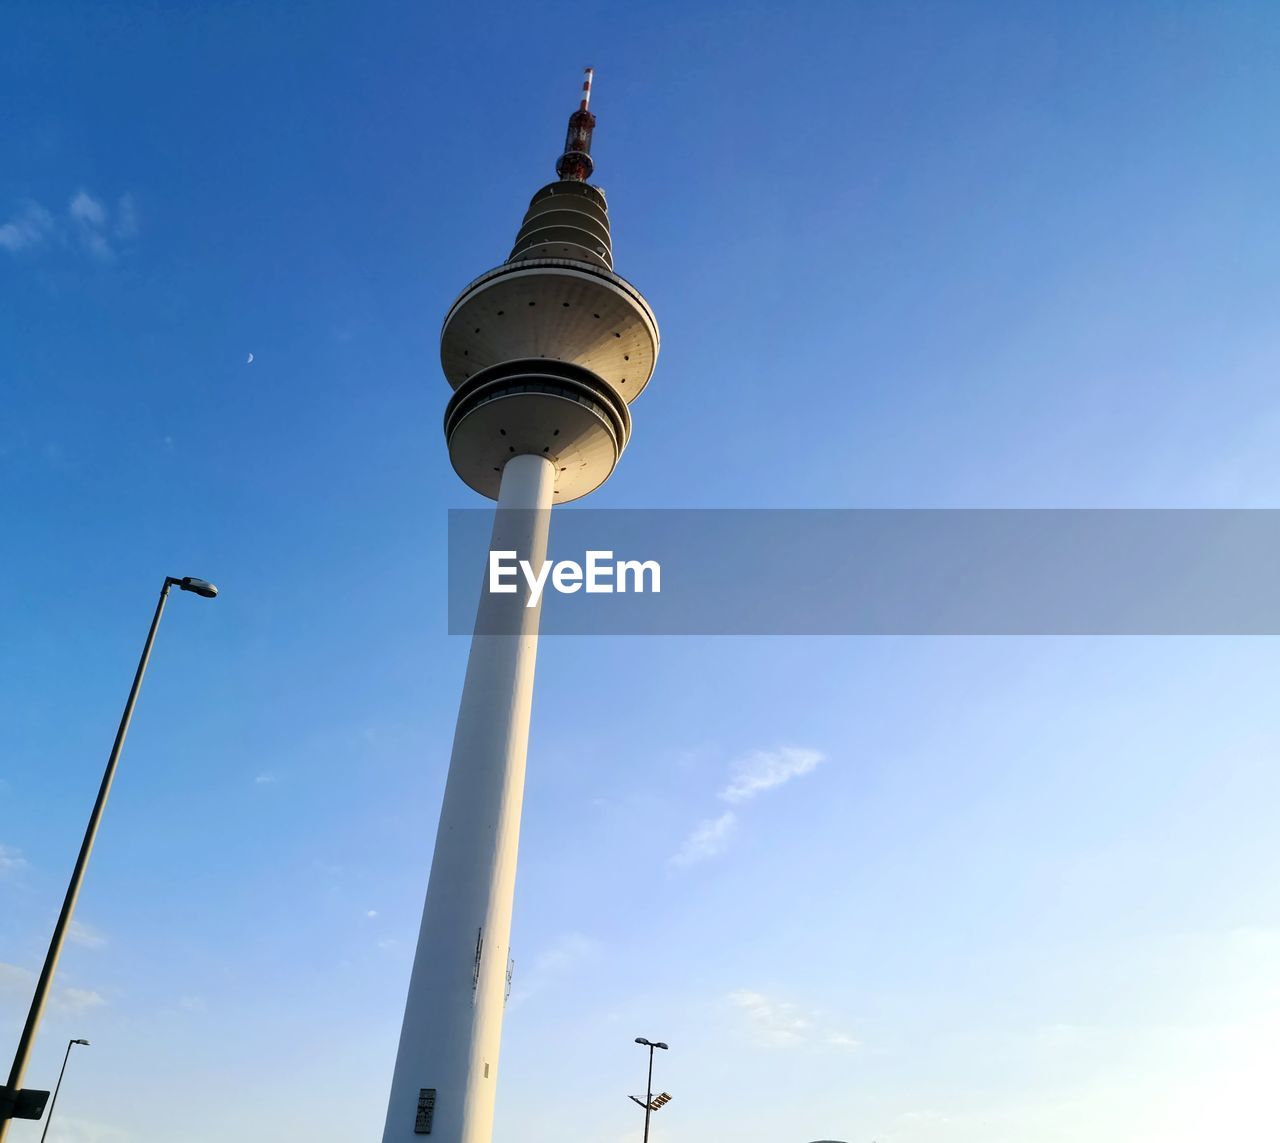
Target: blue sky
{"points": [[903, 255]]}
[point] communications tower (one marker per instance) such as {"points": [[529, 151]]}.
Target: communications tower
{"points": [[544, 353]]}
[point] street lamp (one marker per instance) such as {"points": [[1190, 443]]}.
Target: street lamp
{"points": [[58, 1086], [650, 1104], [14, 1102]]}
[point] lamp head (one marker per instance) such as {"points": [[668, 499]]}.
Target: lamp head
{"points": [[84, 1042], [642, 1040], [661, 1045], [202, 587]]}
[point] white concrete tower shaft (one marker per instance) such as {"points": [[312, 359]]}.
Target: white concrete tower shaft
{"points": [[545, 354], [448, 1058]]}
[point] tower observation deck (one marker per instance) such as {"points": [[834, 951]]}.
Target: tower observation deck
{"points": [[545, 354]]}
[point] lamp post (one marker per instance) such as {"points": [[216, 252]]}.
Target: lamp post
{"points": [[13, 1101], [58, 1087], [648, 1096]]}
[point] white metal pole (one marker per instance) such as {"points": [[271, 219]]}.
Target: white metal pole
{"points": [[446, 1069]]}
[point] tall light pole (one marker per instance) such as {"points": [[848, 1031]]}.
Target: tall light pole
{"points": [[58, 1087], [14, 1103], [648, 1096], [545, 354]]}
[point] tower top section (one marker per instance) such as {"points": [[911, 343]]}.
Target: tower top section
{"points": [[575, 164], [546, 352]]}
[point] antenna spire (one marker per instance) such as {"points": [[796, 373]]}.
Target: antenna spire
{"points": [[575, 164]]}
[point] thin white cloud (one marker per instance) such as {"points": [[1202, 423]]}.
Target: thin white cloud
{"points": [[750, 776], [17, 983], [126, 218], [14, 978], [31, 226], [768, 769], [781, 1024], [266, 778], [74, 1000], [567, 955], [770, 1021], [568, 951], [708, 839], [372, 913], [87, 210], [11, 861], [86, 935], [87, 223]]}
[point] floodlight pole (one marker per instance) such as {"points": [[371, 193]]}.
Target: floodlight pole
{"points": [[648, 1096], [86, 847]]}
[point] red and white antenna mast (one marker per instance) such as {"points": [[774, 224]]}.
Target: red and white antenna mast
{"points": [[575, 164]]}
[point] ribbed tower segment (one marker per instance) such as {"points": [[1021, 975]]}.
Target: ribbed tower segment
{"points": [[545, 354], [566, 220]]}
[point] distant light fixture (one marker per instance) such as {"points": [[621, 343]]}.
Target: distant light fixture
{"points": [[15, 1100], [201, 587], [48, 1119], [650, 1102]]}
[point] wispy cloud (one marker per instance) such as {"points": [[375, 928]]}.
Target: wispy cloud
{"points": [[16, 984], [750, 776], [31, 226], [266, 778], [766, 770], [126, 226], [11, 861], [708, 839], [89, 221], [87, 210], [86, 935], [73, 1000], [567, 955], [784, 1025], [87, 224], [771, 1021], [14, 978], [568, 951]]}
